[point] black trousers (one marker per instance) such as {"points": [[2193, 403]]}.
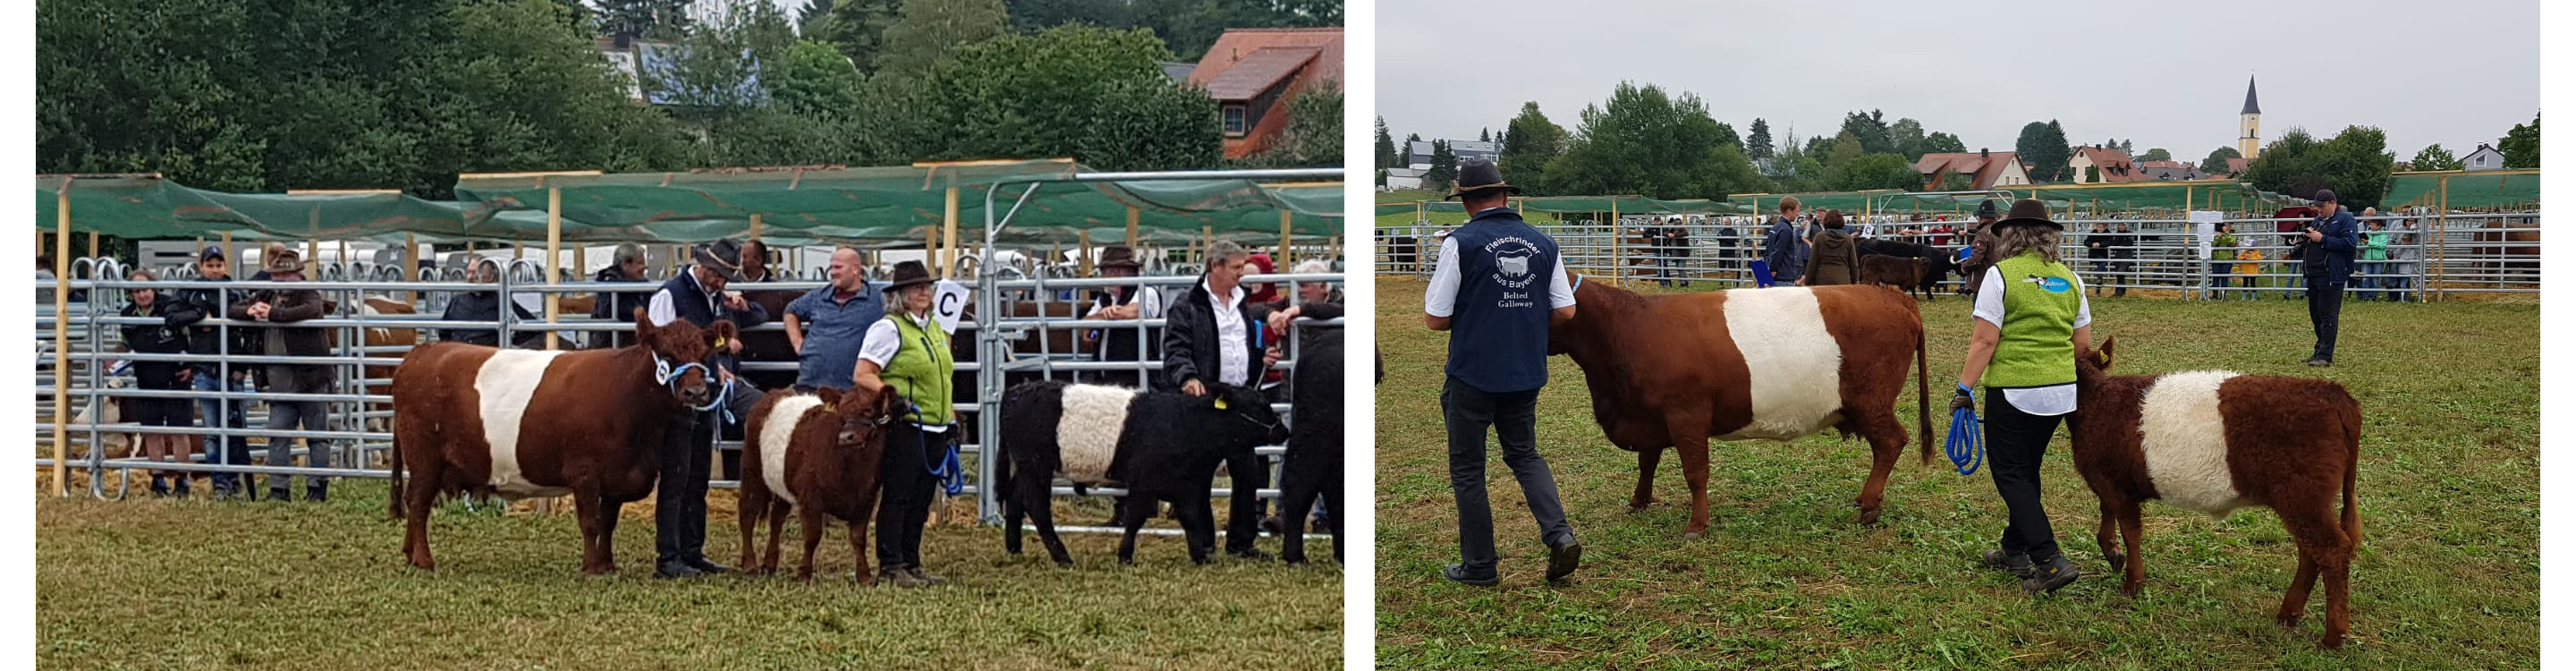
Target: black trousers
{"points": [[680, 498], [1246, 474], [2325, 313], [2015, 441], [1514, 418], [904, 507]]}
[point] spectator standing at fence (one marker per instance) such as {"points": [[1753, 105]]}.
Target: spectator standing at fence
{"points": [[207, 372], [1123, 302], [1318, 300], [1837, 254], [2332, 238], [2222, 248], [1782, 247], [484, 305], [1499, 287], [1264, 298], [167, 337], [1979, 243], [2406, 258], [282, 309], [688, 439], [2374, 253], [1210, 339], [907, 351], [2124, 259], [1677, 246], [2032, 317], [2248, 264], [625, 265], [826, 326]]}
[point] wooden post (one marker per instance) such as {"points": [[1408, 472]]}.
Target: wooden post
{"points": [[1618, 273], [93, 249], [948, 252], [755, 226], [2441, 227], [554, 245], [1132, 239], [1082, 267], [930, 250], [229, 257], [62, 334], [411, 266], [1283, 262]]}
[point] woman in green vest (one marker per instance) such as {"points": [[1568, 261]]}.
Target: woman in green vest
{"points": [[907, 352], [2031, 318], [2222, 250]]}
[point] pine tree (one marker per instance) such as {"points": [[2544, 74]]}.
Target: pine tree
{"points": [[1758, 145]]}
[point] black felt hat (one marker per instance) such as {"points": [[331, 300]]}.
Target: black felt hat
{"points": [[1479, 175]]}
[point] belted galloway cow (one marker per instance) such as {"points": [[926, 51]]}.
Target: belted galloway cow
{"points": [[816, 454]]}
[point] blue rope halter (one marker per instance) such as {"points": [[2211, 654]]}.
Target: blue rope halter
{"points": [[1966, 445], [670, 377]]}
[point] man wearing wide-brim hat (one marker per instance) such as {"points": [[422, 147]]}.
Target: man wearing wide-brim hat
{"points": [[1498, 287], [697, 294], [1123, 343], [2032, 319], [280, 309]]}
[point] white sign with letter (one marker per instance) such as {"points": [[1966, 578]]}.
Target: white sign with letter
{"points": [[948, 305]]}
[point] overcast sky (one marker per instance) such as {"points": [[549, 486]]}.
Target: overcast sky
{"points": [[2159, 73]]}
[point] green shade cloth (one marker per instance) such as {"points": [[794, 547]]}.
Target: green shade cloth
{"points": [[2485, 190]]}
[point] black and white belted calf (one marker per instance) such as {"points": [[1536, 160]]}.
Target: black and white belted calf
{"points": [[1160, 446]]}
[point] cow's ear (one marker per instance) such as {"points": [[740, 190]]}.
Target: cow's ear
{"points": [[829, 395], [2102, 357], [643, 327], [724, 330]]}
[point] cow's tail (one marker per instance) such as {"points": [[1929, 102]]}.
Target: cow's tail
{"points": [[2352, 470], [1922, 394], [394, 496]]}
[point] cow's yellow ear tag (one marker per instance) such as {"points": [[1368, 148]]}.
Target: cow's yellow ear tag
{"points": [[1220, 403]]}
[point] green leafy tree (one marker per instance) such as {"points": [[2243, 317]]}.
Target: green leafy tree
{"points": [[1314, 135], [1906, 137], [1643, 141], [716, 66], [927, 31], [856, 27], [2092, 173], [1940, 143], [2216, 163], [1871, 129], [2355, 163], [1048, 94], [2043, 150], [2521, 146], [1758, 145], [1533, 141], [2156, 154], [814, 79], [650, 19], [1143, 121], [1877, 171], [2434, 157], [1956, 181], [1386, 156], [1444, 167], [1726, 136], [1845, 149]]}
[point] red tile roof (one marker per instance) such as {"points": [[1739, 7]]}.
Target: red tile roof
{"points": [[1240, 43], [1984, 169], [1245, 79]]}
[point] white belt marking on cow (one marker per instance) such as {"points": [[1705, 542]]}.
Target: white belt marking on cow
{"points": [[382, 334], [2184, 440], [504, 385], [776, 431], [1086, 435], [1793, 365]]}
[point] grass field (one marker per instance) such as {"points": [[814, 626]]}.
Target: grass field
{"points": [[143, 584], [2448, 576]]}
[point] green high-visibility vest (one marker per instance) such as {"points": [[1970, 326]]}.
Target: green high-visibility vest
{"points": [[2037, 348], [923, 370]]}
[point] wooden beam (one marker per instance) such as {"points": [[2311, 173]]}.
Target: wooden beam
{"points": [[554, 245], [1284, 262], [411, 266], [1132, 238], [948, 251], [1083, 266], [62, 334]]}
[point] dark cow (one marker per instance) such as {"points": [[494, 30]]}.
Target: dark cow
{"points": [[1314, 466], [1163, 446], [1403, 254], [2215, 441], [817, 454], [1938, 264], [526, 423], [1902, 273], [1678, 370]]}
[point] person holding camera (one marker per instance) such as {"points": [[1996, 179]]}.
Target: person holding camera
{"points": [[2332, 238]]}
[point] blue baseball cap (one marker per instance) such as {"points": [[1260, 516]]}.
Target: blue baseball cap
{"points": [[211, 253]]}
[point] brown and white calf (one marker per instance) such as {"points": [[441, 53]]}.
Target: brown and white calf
{"points": [[1678, 370], [817, 454], [2215, 441]]}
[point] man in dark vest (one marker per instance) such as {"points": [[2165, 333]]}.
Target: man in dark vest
{"points": [[1124, 343], [697, 294], [1498, 287]]}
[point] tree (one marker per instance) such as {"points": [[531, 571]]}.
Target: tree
{"points": [[1940, 143], [928, 30], [2434, 157], [2092, 173], [1906, 137], [1870, 130], [1877, 171], [650, 19], [1486, 135], [1846, 148], [2156, 154], [856, 27], [1531, 142], [1758, 145], [2521, 146], [2355, 163], [1726, 136], [2216, 163], [1404, 152], [716, 71], [1444, 167], [2043, 150], [1091, 93], [1386, 156], [1314, 135], [1643, 141]]}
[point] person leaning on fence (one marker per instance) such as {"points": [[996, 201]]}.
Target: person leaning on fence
{"points": [[1782, 249], [1123, 302], [2404, 259], [1315, 299], [688, 443], [484, 305], [907, 351], [2097, 250], [2031, 318], [1978, 239], [625, 265], [826, 326], [1210, 338], [167, 337], [209, 343], [282, 308], [1263, 298], [2374, 254], [1500, 285], [1837, 254], [2333, 238]]}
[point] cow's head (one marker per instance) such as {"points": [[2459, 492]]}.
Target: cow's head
{"points": [[1245, 418], [2095, 363], [687, 352], [865, 415]]}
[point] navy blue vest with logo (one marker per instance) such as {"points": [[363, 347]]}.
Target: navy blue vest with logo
{"points": [[1498, 327]]}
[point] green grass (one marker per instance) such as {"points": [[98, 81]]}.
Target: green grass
{"points": [[2448, 574], [145, 584]]}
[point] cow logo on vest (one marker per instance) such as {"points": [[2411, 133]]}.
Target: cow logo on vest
{"points": [[1512, 258], [2054, 285]]}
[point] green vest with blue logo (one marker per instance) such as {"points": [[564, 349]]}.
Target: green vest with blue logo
{"points": [[923, 370], [2040, 302]]}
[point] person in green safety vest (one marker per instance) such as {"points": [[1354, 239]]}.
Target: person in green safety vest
{"points": [[2032, 317], [907, 351]]}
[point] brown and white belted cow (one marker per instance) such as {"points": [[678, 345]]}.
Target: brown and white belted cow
{"points": [[1677, 370], [816, 454], [528, 423], [2215, 441]]}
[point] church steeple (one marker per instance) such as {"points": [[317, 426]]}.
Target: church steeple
{"points": [[2250, 107], [2250, 124]]}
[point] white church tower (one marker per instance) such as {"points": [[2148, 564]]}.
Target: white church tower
{"points": [[2249, 138]]}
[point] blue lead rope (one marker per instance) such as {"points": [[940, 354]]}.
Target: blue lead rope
{"points": [[1966, 445], [952, 476], [664, 373]]}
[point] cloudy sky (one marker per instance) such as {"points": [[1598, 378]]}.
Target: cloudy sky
{"points": [[2160, 73]]}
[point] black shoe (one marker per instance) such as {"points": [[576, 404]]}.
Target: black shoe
{"points": [[1563, 559], [706, 566], [676, 569], [2319, 362], [1254, 554], [1471, 578], [1319, 528], [317, 494], [2018, 564], [180, 491], [160, 489], [278, 494], [1271, 526], [2045, 579], [924, 576]]}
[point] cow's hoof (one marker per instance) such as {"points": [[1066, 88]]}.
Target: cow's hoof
{"points": [[1634, 508], [2287, 620], [1868, 517], [2332, 641], [1693, 535], [2118, 562]]}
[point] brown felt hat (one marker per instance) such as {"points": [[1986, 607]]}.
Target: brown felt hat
{"points": [[282, 260], [1118, 256], [908, 274], [2029, 212], [724, 256]]}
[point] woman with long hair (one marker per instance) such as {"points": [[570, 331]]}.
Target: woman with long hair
{"points": [[1836, 258], [2032, 318]]}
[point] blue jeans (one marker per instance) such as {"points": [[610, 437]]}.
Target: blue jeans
{"points": [[2367, 281], [220, 413]]}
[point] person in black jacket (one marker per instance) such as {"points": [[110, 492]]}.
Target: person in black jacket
{"points": [[194, 305], [162, 338], [485, 306], [1211, 337], [627, 265], [698, 294], [281, 309]]}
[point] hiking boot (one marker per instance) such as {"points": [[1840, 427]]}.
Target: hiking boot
{"points": [[2045, 579], [1471, 577], [676, 569], [924, 576], [1563, 559], [2015, 563], [1254, 554], [899, 578], [317, 493]]}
